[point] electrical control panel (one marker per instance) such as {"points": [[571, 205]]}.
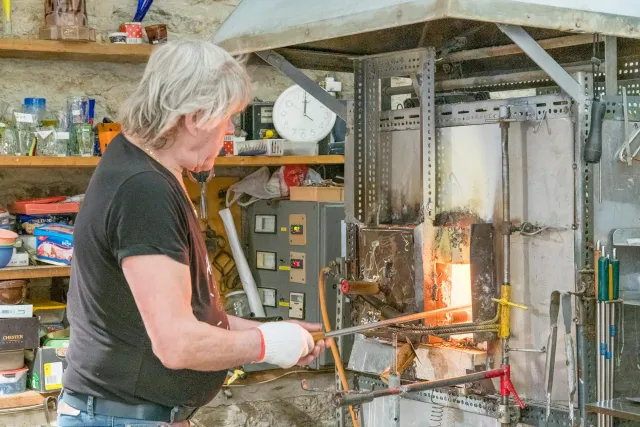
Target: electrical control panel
{"points": [[288, 242]]}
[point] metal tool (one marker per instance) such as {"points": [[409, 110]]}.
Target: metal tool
{"points": [[202, 178], [554, 309], [387, 322], [603, 333], [593, 146], [567, 316]]}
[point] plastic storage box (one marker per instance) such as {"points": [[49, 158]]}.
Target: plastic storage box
{"points": [[12, 382], [49, 312], [54, 243]]}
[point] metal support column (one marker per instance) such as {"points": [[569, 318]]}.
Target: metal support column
{"points": [[611, 65], [301, 79], [544, 61]]}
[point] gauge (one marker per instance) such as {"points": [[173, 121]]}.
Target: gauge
{"points": [[268, 296], [265, 224], [266, 260]]}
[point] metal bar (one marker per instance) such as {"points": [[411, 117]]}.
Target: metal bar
{"points": [[610, 65], [544, 61], [387, 322], [356, 398], [506, 243], [284, 66], [514, 49], [501, 79]]}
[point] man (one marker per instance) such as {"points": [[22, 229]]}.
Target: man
{"points": [[150, 341]]}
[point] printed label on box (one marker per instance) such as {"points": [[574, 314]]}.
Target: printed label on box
{"points": [[53, 376]]}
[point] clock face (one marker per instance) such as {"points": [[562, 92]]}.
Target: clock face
{"points": [[299, 117]]}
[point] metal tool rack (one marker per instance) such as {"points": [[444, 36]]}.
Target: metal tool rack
{"points": [[450, 48]]}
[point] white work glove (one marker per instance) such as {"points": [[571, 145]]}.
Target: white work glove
{"points": [[284, 343]]}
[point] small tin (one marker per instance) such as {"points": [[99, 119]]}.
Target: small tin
{"points": [[118, 38]]}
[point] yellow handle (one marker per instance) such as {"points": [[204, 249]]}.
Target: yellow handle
{"points": [[318, 336], [512, 304], [7, 9]]}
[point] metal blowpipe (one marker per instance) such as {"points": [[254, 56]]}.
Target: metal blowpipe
{"points": [[388, 322]]}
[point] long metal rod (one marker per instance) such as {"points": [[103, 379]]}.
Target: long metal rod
{"points": [[544, 61], [397, 320], [506, 242], [356, 398], [599, 384]]}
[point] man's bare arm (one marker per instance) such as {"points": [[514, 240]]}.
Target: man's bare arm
{"points": [[238, 323], [162, 291]]}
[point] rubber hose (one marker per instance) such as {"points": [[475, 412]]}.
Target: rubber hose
{"points": [[334, 347]]}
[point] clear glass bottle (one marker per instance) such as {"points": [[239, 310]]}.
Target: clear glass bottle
{"points": [[77, 107], [25, 133], [84, 139], [37, 107], [61, 147]]}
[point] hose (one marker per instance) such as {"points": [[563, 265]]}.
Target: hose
{"points": [[334, 347]]}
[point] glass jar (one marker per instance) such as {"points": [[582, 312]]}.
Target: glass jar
{"points": [[77, 107], [61, 146], [45, 141], [84, 139], [237, 304], [37, 107], [25, 133]]}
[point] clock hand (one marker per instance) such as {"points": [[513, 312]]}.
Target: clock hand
{"points": [[305, 105]]}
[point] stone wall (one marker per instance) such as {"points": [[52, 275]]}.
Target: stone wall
{"points": [[273, 405]]}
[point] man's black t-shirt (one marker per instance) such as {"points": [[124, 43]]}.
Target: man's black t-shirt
{"points": [[133, 206]]}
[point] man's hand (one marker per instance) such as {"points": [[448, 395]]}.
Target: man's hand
{"points": [[319, 347]]}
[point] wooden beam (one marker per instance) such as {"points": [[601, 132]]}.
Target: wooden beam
{"points": [[34, 272], [513, 49]]}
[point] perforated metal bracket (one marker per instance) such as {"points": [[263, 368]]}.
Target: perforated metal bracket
{"points": [[615, 110]]}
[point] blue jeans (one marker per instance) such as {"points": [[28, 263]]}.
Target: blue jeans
{"points": [[71, 417]]}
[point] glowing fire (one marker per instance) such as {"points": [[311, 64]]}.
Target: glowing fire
{"points": [[460, 285]]}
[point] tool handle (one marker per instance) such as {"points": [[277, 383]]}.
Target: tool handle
{"points": [[593, 146], [615, 267], [318, 336], [603, 279]]}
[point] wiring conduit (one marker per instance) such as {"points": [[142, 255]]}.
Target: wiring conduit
{"points": [[334, 347]]}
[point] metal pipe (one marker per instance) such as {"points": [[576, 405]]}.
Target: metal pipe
{"points": [[357, 397], [599, 357], [387, 311], [388, 322], [505, 312]]}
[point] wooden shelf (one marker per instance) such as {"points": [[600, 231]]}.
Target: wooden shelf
{"points": [[48, 162], [278, 160], [91, 162], [21, 400], [34, 272], [73, 51]]}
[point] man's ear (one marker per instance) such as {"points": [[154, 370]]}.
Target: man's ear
{"points": [[191, 123]]}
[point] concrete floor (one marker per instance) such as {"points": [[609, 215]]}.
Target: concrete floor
{"points": [[278, 403]]}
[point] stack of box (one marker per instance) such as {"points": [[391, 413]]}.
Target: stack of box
{"points": [[47, 362], [18, 332]]}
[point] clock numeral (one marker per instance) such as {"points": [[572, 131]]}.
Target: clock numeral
{"points": [[321, 125], [283, 113], [303, 134], [327, 115], [286, 124], [313, 132], [294, 130], [289, 103]]}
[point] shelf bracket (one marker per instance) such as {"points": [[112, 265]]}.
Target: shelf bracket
{"points": [[285, 67], [544, 61]]}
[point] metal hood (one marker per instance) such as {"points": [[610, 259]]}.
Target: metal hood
{"points": [[364, 27]]}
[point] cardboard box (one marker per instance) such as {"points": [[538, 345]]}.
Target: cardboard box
{"points": [[16, 311], [317, 194], [46, 366], [19, 334]]}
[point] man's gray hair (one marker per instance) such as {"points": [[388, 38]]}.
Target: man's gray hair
{"points": [[184, 77]]}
